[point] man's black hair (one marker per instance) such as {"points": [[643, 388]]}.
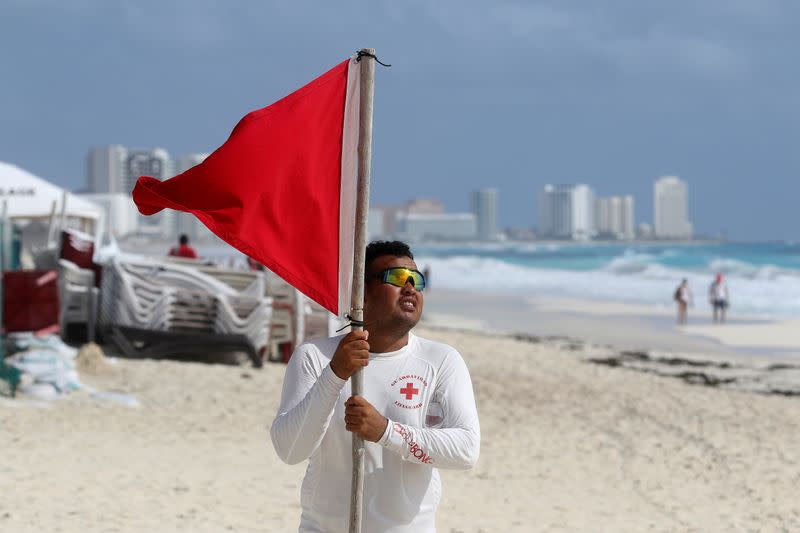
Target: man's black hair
{"points": [[183, 239], [377, 249]]}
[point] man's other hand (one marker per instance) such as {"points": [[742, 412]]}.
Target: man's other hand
{"points": [[352, 354], [363, 419]]}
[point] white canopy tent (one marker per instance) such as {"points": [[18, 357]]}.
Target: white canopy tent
{"points": [[31, 197], [42, 209]]}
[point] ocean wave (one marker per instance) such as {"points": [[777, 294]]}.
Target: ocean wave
{"points": [[632, 263], [763, 291], [736, 268]]}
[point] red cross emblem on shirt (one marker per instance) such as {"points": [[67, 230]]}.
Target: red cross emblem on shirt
{"points": [[409, 391]]}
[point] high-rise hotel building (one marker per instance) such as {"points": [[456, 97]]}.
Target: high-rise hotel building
{"points": [[484, 207], [671, 208], [115, 168], [566, 212], [614, 217]]}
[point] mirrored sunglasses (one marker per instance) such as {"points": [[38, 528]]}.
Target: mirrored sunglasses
{"points": [[399, 276]]}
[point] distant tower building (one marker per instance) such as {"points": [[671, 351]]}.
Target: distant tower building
{"points": [[604, 217], [566, 212], [671, 205], [105, 169], [115, 168], [155, 163], [614, 217], [484, 206]]}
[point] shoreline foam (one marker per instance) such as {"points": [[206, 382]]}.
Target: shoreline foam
{"points": [[623, 325]]}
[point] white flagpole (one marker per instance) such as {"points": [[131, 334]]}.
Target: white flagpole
{"points": [[367, 65]]}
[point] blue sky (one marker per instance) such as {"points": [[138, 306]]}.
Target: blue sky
{"points": [[510, 95]]}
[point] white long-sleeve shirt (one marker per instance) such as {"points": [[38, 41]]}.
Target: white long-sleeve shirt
{"points": [[423, 380], [718, 291]]}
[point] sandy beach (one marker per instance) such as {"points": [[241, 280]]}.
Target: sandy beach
{"points": [[567, 445]]}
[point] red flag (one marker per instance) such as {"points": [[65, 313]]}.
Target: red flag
{"points": [[282, 188]]}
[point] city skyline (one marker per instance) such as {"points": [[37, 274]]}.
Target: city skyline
{"points": [[506, 96], [562, 211]]}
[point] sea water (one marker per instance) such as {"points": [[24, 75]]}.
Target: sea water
{"points": [[763, 278]]}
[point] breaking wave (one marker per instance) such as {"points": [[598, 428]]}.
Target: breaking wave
{"points": [[643, 276]]}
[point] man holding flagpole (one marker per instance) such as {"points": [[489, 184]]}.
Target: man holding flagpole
{"points": [[417, 413], [309, 153]]}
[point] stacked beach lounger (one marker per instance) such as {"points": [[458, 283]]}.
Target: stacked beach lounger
{"points": [[286, 321], [295, 317], [171, 307], [75, 292], [286, 328], [318, 321]]}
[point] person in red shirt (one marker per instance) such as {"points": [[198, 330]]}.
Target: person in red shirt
{"points": [[183, 249]]}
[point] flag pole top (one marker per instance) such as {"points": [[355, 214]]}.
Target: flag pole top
{"points": [[369, 52]]}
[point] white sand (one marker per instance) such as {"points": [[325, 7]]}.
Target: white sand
{"points": [[567, 446], [737, 332], [782, 335]]}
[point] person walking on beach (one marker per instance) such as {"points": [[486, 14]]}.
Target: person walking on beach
{"points": [[683, 297], [417, 415], [183, 249], [718, 298]]}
